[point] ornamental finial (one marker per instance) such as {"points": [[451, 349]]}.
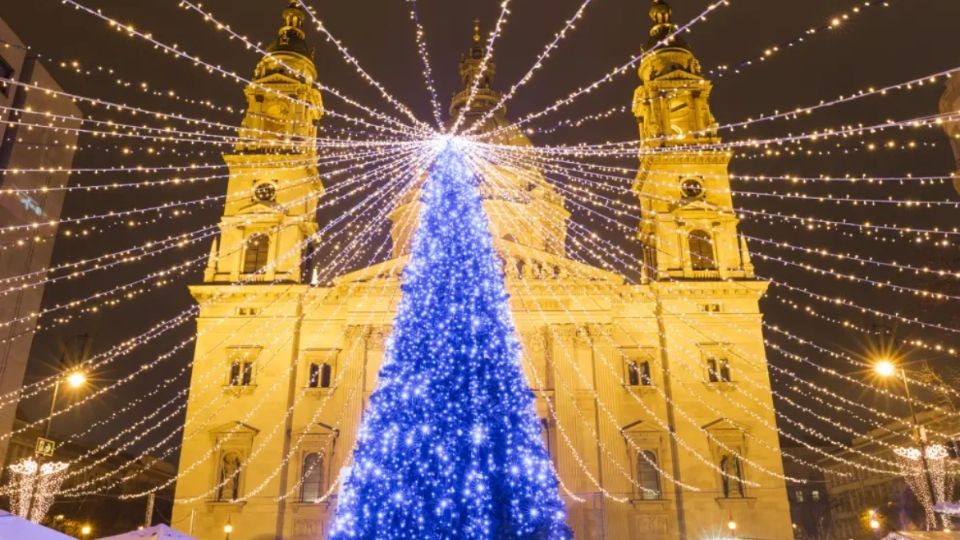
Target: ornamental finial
{"points": [[660, 13]]}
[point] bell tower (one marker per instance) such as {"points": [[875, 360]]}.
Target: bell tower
{"points": [[273, 187], [712, 359], [689, 228]]}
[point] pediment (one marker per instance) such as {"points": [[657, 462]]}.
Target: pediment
{"points": [[234, 428], [259, 208], [726, 424]]}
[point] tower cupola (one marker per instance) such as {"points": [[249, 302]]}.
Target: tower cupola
{"points": [[472, 69]]}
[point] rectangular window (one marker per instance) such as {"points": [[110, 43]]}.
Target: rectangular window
{"points": [[645, 378], [798, 495], [648, 475], [718, 370], [815, 495], [241, 373], [637, 366], [241, 365], [320, 376]]}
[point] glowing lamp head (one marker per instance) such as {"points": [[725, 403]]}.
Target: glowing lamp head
{"points": [[76, 379], [228, 528], [884, 368], [874, 523], [732, 525], [86, 530]]}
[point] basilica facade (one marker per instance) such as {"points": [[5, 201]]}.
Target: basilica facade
{"points": [[653, 393]]}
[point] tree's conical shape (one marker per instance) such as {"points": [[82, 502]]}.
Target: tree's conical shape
{"points": [[450, 445]]}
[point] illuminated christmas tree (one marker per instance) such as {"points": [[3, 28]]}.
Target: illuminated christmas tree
{"points": [[450, 446]]}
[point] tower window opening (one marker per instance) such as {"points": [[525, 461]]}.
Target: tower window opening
{"points": [[256, 254], [718, 370], [638, 374], [241, 373], [701, 251], [321, 376]]}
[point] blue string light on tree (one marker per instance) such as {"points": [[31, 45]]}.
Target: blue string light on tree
{"points": [[450, 447]]}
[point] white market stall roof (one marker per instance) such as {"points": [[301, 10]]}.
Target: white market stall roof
{"points": [[157, 532], [923, 535], [15, 528]]}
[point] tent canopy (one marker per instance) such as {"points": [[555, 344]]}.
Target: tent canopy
{"points": [[157, 532], [12, 526], [923, 535]]}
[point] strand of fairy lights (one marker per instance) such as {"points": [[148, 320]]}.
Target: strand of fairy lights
{"points": [[333, 268], [166, 134], [420, 38], [294, 447], [329, 202], [895, 316], [609, 415], [173, 50], [746, 410], [627, 210], [568, 27], [629, 148], [421, 127], [612, 74], [832, 23], [51, 380], [123, 256], [764, 213], [753, 413], [352, 60], [110, 73], [89, 365], [912, 342], [585, 382], [122, 214], [262, 444]]}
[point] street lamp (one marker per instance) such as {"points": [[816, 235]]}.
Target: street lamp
{"points": [[86, 530], [75, 379], [227, 529], [885, 367]]}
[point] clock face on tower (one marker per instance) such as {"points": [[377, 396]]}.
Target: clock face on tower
{"points": [[691, 188], [265, 192]]}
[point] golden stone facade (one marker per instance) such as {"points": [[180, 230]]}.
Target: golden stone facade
{"points": [[655, 397]]}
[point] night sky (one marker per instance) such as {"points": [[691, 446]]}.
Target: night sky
{"points": [[908, 39]]}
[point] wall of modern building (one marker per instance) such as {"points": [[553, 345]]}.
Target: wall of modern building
{"points": [[28, 249]]}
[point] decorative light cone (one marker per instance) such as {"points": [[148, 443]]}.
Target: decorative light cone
{"points": [[450, 446]]}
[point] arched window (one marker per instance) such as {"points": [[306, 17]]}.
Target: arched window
{"points": [[256, 253], [229, 478], [701, 251], [311, 477], [648, 477]]}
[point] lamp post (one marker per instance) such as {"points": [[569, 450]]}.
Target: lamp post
{"points": [[886, 368], [75, 379]]}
